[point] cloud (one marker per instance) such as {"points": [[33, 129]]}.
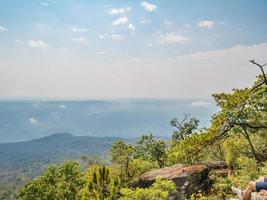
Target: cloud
{"points": [[205, 24], [120, 21], [79, 30], [131, 27], [171, 38], [149, 7], [145, 21], [116, 37], [81, 40], [33, 120], [116, 11], [187, 25], [44, 4], [62, 106], [101, 36], [168, 23], [200, 104], [2, 29], [37, 44]]}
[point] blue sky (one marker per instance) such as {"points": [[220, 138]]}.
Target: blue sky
{"points": [[78, 49]]}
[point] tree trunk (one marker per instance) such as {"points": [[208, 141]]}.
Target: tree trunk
{"points": [[250, 144]]}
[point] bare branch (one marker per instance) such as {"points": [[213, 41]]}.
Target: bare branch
{"points": [[262, 70]]}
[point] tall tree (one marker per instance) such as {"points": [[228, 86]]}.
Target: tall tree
{"points": [[153, 149], [186, 127]]}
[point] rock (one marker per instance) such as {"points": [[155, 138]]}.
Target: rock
{"points": [[257, 196], [217, 165], [254, 196], [188, 179]]}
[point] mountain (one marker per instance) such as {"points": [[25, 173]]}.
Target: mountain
{"points": [[53, 149], [22, 161], [27, 120]]}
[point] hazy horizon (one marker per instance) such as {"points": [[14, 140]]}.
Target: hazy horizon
{"points": [[25, 120]]}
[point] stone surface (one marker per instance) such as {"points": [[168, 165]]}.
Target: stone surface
{"points": [[257, 196], [188, 179], [217, 165], [254, 196]]}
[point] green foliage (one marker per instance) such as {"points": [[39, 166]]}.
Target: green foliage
{"points": [[242, 115], [160, 190], [152, 149], [102, 187], [122, 155], [132, 161], [184, 128], [58, 182]]}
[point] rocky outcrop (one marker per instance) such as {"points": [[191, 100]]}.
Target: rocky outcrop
{"points": [[188, 179], [254, 196]]}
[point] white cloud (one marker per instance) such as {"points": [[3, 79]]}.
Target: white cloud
{"points": [[116, 11], [131, 27], [187, 25], [116, 37], [81, 40], [37, 44], [205, 24], [79, 30], [171, 38], [62, 106], [44, 4], [101, 36], [149, 7], [120, 21], [168, 23], [145, 21], [200, 104], [33, 120], [2, 29]]}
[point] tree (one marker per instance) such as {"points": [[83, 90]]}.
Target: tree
{"points": [[122, 154], [58, 182], [152, 149], [102, 187], [184, 128], [243, 113]]}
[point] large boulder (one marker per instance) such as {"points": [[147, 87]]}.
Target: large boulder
{"points": [[188, 179]]}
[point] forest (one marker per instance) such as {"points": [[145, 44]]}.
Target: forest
{"points": [[237, 135]]}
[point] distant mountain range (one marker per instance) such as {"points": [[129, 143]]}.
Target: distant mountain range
{"points": [[22, 161], [27, 120], [53, 149]]}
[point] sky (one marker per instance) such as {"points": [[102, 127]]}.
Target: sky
{"points": [[85, 49]]}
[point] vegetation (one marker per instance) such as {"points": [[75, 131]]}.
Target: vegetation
{"points": [[160, 190], [62, 182], [237, 135]]}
